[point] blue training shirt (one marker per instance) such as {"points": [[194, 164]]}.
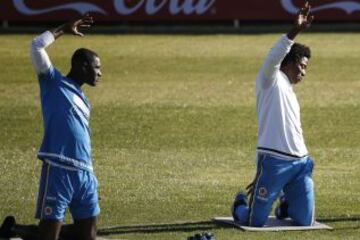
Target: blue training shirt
{"points": [[66, 114]]}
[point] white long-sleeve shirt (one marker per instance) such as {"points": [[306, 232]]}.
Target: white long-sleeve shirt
{"points": [[278, 111], [39, 57]]}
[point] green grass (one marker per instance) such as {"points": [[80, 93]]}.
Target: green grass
{"points": [[174, 129]]}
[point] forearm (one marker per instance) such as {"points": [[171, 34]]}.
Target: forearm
{"points": [[59, 31], [293, 33], [39, 56]]}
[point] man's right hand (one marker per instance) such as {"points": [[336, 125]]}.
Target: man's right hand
{"points": [[304, 18], [302, 22]]}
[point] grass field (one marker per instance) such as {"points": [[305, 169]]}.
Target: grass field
{"points": [[174, 129]]}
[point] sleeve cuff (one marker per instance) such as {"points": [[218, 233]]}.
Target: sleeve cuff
{"points": [[287, 40], [48, 38], [44, 40]]}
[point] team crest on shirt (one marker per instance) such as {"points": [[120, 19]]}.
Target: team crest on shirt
{"points": [[262, 193], [48, 210]]}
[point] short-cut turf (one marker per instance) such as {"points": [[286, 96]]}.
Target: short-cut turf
{"points": [[174, 128]]}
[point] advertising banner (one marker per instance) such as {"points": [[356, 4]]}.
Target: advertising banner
{"points": [[175, 10]]}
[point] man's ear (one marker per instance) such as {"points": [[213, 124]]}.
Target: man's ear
{"points": [[84, 66]]}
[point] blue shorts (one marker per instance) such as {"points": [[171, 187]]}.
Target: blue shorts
{"points": [[274, 175], [62, 188]]}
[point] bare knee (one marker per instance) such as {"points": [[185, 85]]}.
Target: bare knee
{"points": [[88, 235], [86, 228], [49, 229]]}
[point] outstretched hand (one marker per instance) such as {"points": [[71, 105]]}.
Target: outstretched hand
{"points": [[73, 27], [302, 22], [304, 18]]}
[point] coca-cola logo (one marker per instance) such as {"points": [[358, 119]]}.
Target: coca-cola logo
{"points": [[175, 7], [124, 7], [80, 7], [347, 6]]}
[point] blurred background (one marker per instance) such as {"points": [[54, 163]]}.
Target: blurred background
{"points": [[195, 16]]}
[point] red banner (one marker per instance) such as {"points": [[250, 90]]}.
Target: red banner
{"points": [[175, 10]]}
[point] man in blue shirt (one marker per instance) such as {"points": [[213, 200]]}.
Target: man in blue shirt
{"points": [[67, 179]]}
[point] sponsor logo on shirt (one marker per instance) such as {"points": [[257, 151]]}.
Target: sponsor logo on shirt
{"points": [[51, 198]]}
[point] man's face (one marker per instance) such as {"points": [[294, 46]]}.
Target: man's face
{"points": [[297, 70], [93, 72]]}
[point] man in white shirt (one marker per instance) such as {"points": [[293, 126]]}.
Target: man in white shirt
{"points": [[283, 163]]}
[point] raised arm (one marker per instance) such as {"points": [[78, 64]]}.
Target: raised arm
{"points": [[39, 56], [283, 46]]}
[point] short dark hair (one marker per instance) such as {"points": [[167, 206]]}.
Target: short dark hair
{"points": [[297, 52], [82, 55]]}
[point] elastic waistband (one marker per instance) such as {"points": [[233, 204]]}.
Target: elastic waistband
{"points": [[64, 161], [279, 153]]}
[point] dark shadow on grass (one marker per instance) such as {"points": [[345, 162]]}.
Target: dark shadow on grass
{"points": [[159, 228], [339, 219], [202, 226], [342, 219], [346, 228]]}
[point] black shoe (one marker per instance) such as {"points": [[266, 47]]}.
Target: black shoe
{"points": [[202, 236], [281, 211], [6, 229], [195, 237], [209, 236]]}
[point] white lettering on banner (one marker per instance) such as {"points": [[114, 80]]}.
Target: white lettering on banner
{"points": [[80, 7], [121, 7], [151, 7], [347, 6], [188, 7]]}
